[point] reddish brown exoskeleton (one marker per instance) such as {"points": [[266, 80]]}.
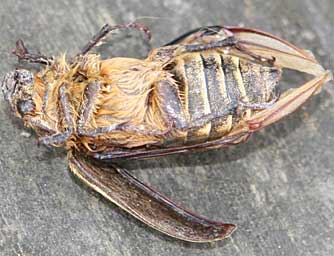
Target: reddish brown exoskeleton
{"points": [[210, 88]]}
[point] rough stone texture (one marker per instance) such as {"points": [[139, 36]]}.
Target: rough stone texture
{"points": [[279, 187]]}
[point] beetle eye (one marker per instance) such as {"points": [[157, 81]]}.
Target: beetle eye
{"points": [[25, 106]]}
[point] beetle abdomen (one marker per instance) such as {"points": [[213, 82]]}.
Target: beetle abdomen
{"points": [[212, 87]]}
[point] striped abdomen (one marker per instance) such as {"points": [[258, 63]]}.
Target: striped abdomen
{"points": [[212, 87]]}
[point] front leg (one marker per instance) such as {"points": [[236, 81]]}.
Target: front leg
{"points": [[89, 105], [106, 29], [55, 139], [59, 138], [23, 54]]}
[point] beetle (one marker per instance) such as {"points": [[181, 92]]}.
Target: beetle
{"points": [[211, 87]]}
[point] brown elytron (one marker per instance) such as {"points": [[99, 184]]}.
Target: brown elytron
{"points": [[209, 88]]}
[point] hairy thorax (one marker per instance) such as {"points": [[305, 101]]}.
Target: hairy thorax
{"points": [[125, 98]]}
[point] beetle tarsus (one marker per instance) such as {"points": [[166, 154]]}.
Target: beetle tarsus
{"points": [[256, 57], [106, 29], [57, 139], [23, 54]]}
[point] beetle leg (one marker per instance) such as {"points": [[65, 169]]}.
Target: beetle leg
{"points": [[92, 91], [202, 34], [264, 60], [150, 153], [195, 34], [229, 42], [89, 105], [23, 54], [288, 103], [106, 29], [44, 126], [145, 203], [60, 138], [171, 105], [55, 139], [40, 124]]}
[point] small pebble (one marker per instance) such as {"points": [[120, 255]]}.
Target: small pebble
{"points": [[25, 134]]}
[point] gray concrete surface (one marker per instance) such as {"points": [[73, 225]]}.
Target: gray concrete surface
{"points": [[279, 187]]}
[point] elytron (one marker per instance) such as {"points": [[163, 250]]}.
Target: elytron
{"points": [[211, 87]]}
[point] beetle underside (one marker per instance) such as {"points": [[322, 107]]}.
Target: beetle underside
{"points": [[178, 110]]}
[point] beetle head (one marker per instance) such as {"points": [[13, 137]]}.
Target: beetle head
{"points": [[18, 88]]}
